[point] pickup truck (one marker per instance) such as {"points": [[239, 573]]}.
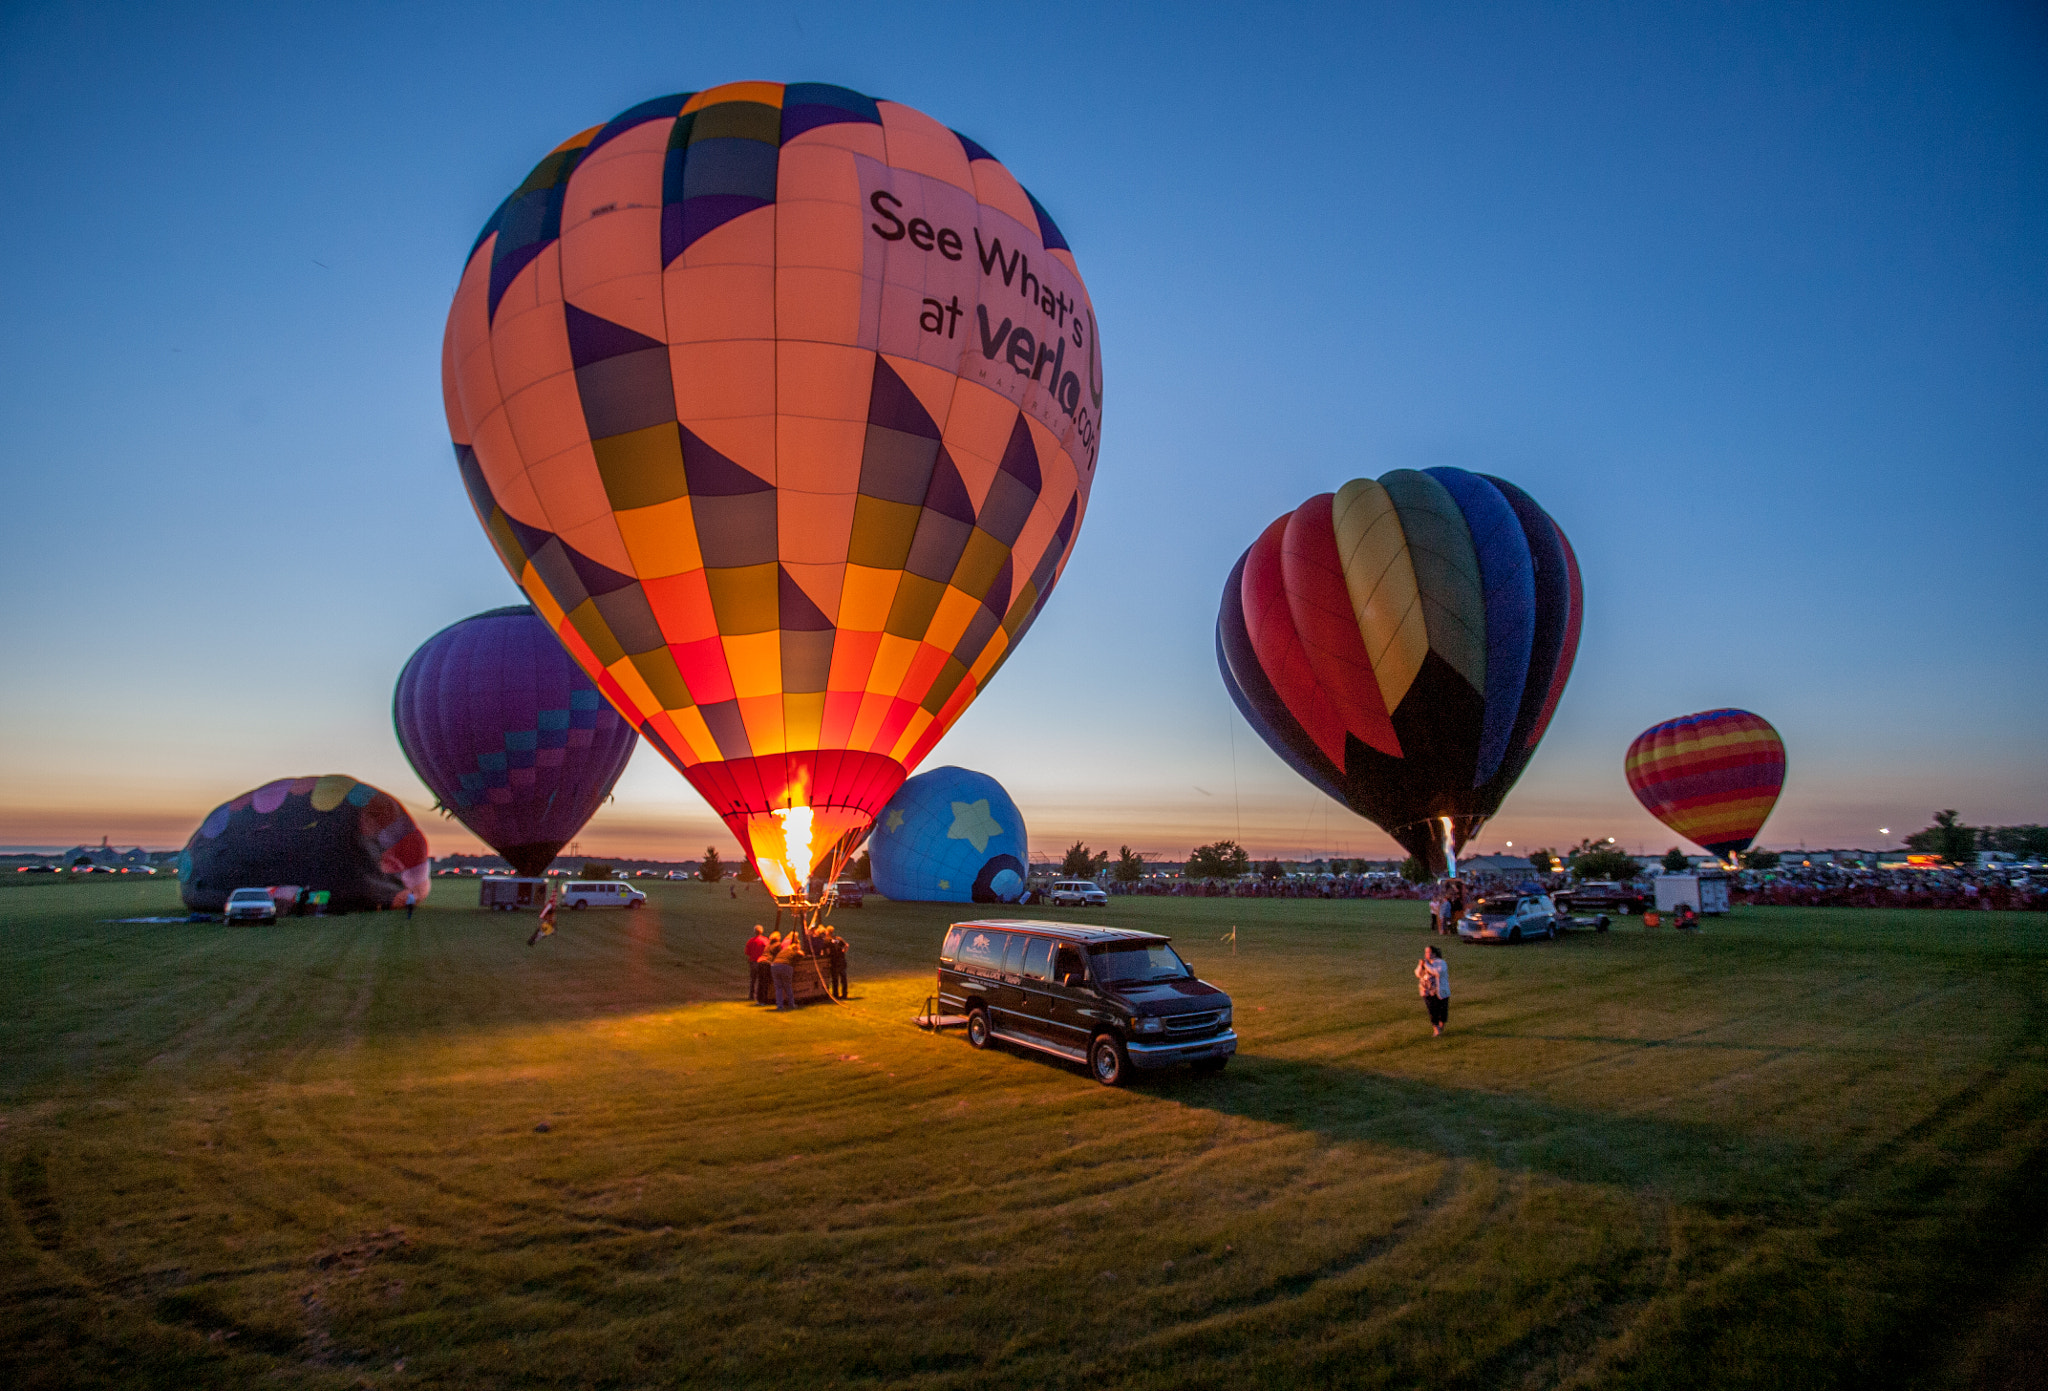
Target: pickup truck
{"points": [[1603, 896]]}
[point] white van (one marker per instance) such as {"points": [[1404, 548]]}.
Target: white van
{"points": [[601, 893], [1076, 893]]}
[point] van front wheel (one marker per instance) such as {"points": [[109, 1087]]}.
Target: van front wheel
{"points": [[1108, 1061]]}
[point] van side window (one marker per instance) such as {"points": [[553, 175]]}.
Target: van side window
{"points": [[1013, 962], [1067, 968], [1037, 958], [951, 949], [983, 948]]}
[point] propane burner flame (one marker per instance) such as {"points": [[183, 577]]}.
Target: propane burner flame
{"points": [[796, 845]]}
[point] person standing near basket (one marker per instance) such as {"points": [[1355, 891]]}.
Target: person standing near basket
{"points": [[783, 970], [759, 990], [1433, 977]]}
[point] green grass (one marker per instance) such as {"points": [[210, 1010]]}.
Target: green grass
{"points": [[1804, 1148]]}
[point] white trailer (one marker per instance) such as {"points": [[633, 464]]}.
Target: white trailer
{"points": [[509, 894], [1704, 892]]}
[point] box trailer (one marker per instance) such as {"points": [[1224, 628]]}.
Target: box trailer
{"points": [[1705, 891], [507, 894]]}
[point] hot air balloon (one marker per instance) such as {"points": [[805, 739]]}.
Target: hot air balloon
{"points": [[1712, 777], [509, 734], [333, 834], [1402, 645], [950, 835], [782, 405]]}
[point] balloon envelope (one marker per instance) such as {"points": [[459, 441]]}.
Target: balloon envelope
{"points": [[1402, 644], [506, 730], [950, 835], [782, 405], [331, 834], [1712, 777]]}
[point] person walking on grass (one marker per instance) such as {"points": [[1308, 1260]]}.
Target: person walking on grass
{"points": [[757, 967], [547, 920], [1433, 977]]}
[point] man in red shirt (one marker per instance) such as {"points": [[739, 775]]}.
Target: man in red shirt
{"points": [[757, 968]]}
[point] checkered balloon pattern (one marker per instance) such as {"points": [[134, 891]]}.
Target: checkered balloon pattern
{"points": [[782, 404]]}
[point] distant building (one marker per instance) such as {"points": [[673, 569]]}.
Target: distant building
{"points": [[105, 856]]}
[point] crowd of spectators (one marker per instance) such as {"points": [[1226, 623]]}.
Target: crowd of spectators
{"points": [[1806, 886], [1840, 886], [1287, 886]]}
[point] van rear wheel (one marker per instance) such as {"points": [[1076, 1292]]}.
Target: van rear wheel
{"points": [[977, 1028]]}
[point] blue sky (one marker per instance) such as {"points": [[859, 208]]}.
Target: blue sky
{"points": [[1753, 299]]}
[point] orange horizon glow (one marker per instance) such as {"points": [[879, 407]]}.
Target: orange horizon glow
{"points": [[675, 832]]}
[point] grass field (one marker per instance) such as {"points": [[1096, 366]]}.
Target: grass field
{"points": [[1803, 1148]]}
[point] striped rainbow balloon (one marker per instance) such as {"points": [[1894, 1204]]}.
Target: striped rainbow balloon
{"points": [[1712, 777], [1402, 643]]}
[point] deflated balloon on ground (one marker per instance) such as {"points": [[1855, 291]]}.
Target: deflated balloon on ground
{"points": [[950, 835], [782, 404], [1402, 644], [330, 834]]}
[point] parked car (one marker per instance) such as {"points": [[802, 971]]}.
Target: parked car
{"points": [[1105, 997], [679, 874], [1509, 918], [847, 892], [250, 905], [1604, 895], [601, 893], [1076, 893]]}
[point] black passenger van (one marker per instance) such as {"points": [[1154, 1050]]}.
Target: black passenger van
{"points": [[1103, 996]]}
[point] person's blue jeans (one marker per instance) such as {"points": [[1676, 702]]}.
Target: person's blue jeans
{"points": [[785, 985]]}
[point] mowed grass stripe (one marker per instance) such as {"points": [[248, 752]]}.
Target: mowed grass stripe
{"points": [[1772, 1153]]}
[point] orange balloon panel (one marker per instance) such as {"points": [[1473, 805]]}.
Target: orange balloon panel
{"points": [[782, 404]]}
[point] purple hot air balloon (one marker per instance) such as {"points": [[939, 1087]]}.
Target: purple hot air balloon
{"points": [[505, 729]]}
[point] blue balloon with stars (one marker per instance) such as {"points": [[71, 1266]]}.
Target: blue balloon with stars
{"points": [[950, 835]]}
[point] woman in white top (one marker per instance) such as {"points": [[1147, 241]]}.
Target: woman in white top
{"points": [[1433, 977]]}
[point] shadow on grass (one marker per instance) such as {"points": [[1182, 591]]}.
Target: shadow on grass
{"points": [[1712, 1168]]}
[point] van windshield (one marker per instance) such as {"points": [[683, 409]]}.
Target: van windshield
{"points": [[1135, 963]]}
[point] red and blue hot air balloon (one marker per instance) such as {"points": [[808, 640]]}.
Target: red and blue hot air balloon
{"points": [[1712, 777], [1402, 643], [503, 726]]}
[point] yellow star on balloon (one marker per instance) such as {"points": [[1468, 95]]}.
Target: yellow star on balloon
{"points": [[895, 819], [972, 823]]}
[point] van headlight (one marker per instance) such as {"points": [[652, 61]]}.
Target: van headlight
{"points": [[1225, 1019], [1151, 1024]]}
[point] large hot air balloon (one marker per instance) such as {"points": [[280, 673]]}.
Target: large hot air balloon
{"points": [[1712, 777], [509, 734], [1402, 645], [950, 835], [332, 834], [782, 405]]}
